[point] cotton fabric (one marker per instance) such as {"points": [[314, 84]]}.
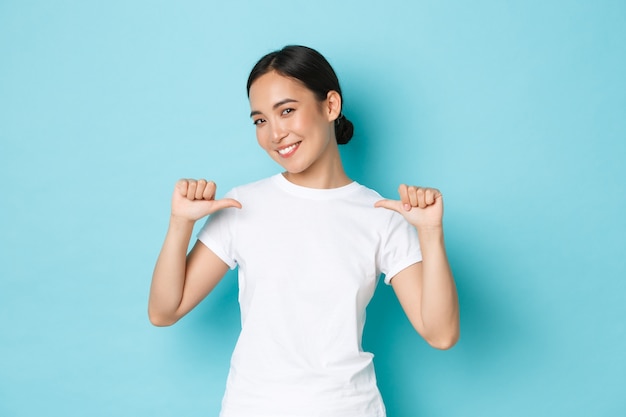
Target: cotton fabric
{"points": [[309, 261]]}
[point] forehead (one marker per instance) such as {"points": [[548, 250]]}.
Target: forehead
{"points": [[273, 87]]}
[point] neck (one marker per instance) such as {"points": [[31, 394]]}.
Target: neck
{"points": [[324, 174]]}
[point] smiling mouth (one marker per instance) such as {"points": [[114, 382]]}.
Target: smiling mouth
{"points": [[288, 150]]}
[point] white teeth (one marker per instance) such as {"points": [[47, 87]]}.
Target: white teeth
{"points": [[287, 149]]}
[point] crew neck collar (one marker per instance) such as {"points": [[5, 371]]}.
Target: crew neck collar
{"points": [[314, 193]]}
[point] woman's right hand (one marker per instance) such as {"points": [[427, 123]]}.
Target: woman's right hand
{"points": [[194, 199]]}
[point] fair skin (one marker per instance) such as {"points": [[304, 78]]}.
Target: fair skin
{"points": [[297, 131]]}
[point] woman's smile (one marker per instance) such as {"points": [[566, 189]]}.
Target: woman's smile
{"points": [[288, 151]]}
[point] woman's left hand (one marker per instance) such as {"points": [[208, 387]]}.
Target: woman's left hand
{"points": [[420, 206]]}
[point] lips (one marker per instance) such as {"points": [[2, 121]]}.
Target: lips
{"points": [[287, 151]]}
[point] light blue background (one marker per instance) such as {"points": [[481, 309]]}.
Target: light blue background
{"points": [[516, 110]]}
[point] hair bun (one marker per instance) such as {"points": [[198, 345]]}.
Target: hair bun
{"points": [[344, 129]]}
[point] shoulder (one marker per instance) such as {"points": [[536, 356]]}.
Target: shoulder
{"points": [[367, 194], [255, 194], [364, 196], [360, 203], [386, 218], [254, 187]]}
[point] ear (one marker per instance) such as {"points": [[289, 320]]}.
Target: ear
{"points": [[332, 106]]}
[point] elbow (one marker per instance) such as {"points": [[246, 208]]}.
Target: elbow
{"points": [[444, 341], [160, 320]]}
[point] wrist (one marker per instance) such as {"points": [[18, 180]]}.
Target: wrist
{"points": [[430, 233], [179, 221]]}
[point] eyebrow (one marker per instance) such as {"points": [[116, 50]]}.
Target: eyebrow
{"points": [[275, 106]]}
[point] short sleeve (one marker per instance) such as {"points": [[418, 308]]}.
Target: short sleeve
{"points": [[400, 247], [219, 232]]}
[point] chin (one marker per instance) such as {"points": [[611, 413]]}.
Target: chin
{"points": [[294, 171], [292, 168]]}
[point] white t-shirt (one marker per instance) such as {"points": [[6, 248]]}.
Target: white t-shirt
{"points": [[309, 261]]}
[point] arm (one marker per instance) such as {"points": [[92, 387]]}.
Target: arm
{"points": [[426, 290], [180, 282]]}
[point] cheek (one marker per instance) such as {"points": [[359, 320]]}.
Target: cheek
{"points": [[305, 122], [262, 138]]}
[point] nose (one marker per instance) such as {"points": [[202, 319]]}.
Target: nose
{"points": [[278, 132]]}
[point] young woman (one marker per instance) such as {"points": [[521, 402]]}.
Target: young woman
{"points": [[310, 245]]}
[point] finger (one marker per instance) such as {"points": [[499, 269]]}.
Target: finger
{"points": [[200, 187], [413, 195], [429, 196], [209, 191], [191, 189], [181, 187], [226, 203], [394, 205], [421, 197], [404, 196]]}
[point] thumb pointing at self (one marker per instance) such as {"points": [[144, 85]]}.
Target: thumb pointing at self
{"points": [[420, 206], [394, 205], [226, 203]]}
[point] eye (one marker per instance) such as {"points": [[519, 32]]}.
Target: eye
{"points": [[257, 122], [287, 111]]}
